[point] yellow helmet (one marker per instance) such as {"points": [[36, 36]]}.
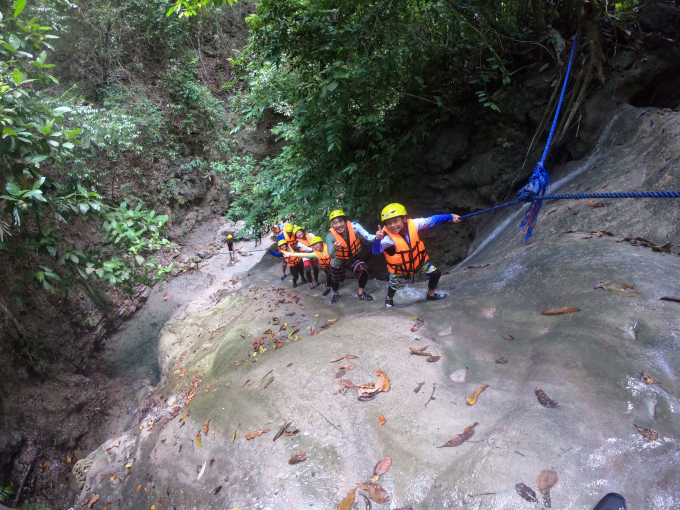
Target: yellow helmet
{"points": [[289, 228], [296, 229], [336, 214], [282, 242], [230, 236], [316, 239], [392, 211]]}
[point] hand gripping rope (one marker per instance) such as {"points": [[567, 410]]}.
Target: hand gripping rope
{"points": [[535, 191]]}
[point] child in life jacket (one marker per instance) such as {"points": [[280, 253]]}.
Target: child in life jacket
{"points": [[344, 244], [318, 252], [304, 241], [287, 234], [405, 252], [290, 258]]}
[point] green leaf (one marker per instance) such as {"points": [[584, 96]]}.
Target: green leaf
{"points": [[18, 7], [332, 86], [139, 259], [17, 76], [8, 131]]}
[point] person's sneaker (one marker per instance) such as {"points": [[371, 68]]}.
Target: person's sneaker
{"points": [[316, 283], [389, 303], [295, 285], [283, 277], [365, 296], [336, 298], [313, 285], [327, 291], [437, 297], [612, 501]]}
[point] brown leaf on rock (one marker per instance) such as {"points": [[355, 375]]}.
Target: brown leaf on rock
{"points": [[417, 389], [217, 489], [459, 439], [544, 400], [348, 501], [561, 311], [421, 351], [432, 359], [546, 479], [526, 492], [346, 383], [502, 361], [206, 429], [671, 298], [257, 433], [290, 432], [199, 443], [382, 420], [351, 356], [509, 338], [298, 457], [347, 367], [622, 289], [340, 373], [383, 383], [650, 434], [382, 466], [375, 492], [648, 379], [336, 359], [473, 399], [416, 327], [92, 501], [269, 381]]}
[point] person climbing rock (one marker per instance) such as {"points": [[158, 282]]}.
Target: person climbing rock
{"points": [[304, 241], [287, 234], [276, 229], [343, 248], [318, 252], [404, 252], [230, 246], [294, 262]]}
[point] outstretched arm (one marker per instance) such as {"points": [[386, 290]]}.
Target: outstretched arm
{"points": [[275, 253], [433, 221], [362, 232]]}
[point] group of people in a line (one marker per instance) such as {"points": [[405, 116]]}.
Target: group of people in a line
{"points": [[304, 253]]}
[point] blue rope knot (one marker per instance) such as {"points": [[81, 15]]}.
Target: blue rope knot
{"points": [[537, 187]]}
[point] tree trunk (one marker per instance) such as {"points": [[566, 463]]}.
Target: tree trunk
{"points": [[539, 19]]}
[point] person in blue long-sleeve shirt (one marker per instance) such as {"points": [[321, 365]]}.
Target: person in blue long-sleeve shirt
{"points": [[404, 252]]}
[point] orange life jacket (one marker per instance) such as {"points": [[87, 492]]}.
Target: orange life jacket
{"points": [[409, 257], [276, 230], [346, 252], [292, 261], [307, 240], [324, 258], [290, 238]]}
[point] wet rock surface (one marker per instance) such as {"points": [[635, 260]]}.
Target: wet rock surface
{"points": [[587, 422]]}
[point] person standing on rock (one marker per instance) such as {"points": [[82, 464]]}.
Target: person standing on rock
{"points": [[343, 248], [294, 262], [318, 252], [230, 245], [304, 241], [405, 252]]}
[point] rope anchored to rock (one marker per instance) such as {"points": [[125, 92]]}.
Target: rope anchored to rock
{"points": [[536, 191]]}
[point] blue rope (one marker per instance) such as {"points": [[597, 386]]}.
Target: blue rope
{"points": [[579, 196], [538, 183]]}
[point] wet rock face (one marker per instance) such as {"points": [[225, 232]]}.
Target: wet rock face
{"points": [[554, 356]]}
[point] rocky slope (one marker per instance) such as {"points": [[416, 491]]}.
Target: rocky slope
{"points": [[191, 449]]}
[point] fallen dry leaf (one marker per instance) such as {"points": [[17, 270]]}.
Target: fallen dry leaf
{"points": [[421, 351], [68, 459], [473, 399], [298, 457], [382, 466], [336, 359], [509, 338], [217, 489], [648, 379], [234, 436], [346, 383], [199, 443], [347, 367], [383, 383], [92, 501], [257, 433], [671, 298], [382, 419], [650, 434], [206, 429], [622, 289], [561, 311], [375, 492], [526, 492], [290, 432], [432, 359], [459, 439], [348, 501], [545, 481], [502, 361], [417, 389], [139, 488], [351, 356], [46, 464], [544, 400], [340, 373], [416, 327]]}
